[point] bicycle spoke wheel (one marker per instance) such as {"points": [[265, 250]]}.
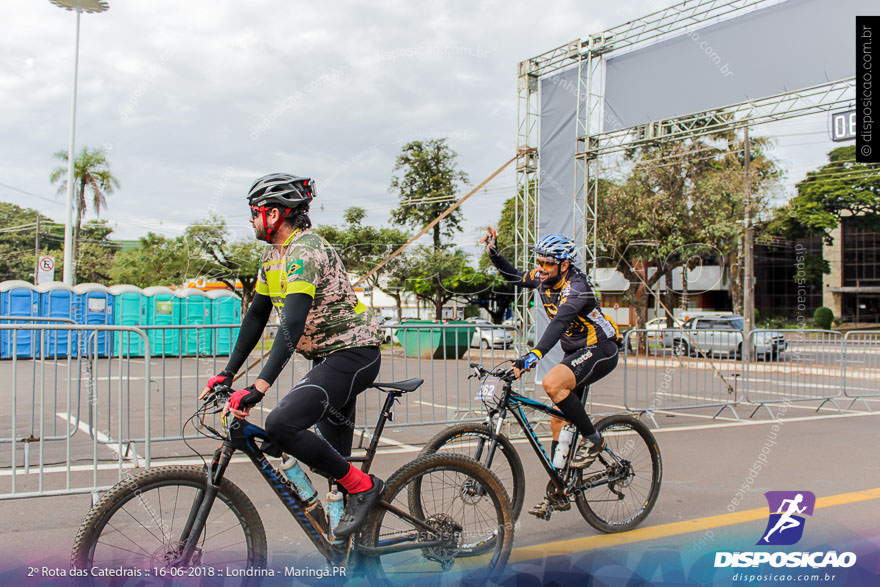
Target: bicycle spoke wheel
{"points": [[461, 506], [631, 484], [468, 440], [139, 524]]}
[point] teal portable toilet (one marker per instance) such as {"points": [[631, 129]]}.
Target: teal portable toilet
{"points": [[195, 310], [57, 300], [225, 309], [20, 299], [129, 309], [162, 311], [94, 306]]}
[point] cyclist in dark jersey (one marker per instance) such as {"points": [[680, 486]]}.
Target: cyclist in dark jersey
{"points": [[320, 317], [587, 337]]}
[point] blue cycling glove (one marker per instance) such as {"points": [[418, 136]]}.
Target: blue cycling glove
{"points": [[528, 360]]}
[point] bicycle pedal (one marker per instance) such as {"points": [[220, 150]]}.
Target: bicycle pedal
{"points": [[542, 511]]}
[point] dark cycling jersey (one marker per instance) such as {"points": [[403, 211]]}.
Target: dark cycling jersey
{"points": [[576, 319]]}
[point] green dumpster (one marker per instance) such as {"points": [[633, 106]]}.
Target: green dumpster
{"points": [[432, 340]]}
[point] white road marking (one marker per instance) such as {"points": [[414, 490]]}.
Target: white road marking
{"points": [[443, 406], [115, 447]]}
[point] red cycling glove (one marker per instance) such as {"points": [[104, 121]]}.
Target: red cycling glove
{"points": [[224, 377], [245, 398]]}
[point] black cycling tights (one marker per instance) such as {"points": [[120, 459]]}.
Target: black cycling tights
{"points": [[326, 396]]}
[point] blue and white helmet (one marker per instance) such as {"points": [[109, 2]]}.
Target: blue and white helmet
{"points": [[557, 246]]}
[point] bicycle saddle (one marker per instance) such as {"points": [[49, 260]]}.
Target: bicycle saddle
{"points": [[404, 386]]}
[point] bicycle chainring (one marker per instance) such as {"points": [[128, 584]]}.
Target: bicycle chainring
{"points": [[559, 500]]}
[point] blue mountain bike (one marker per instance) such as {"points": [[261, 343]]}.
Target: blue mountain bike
{"points": [[436, 515]]}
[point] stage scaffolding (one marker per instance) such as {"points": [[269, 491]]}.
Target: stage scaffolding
{"points": [[588, 55]]}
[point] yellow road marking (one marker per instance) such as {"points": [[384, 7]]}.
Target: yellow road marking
{"points": [[672, 529]]}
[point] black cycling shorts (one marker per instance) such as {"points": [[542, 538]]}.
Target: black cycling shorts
{"points": [[592, 363], [326, 396]]}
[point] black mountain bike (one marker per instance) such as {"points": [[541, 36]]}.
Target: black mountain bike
{"points": [[613, 492], [436, 514]]}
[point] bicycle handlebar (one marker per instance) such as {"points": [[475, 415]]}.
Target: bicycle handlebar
{"points": [[503, 373]]}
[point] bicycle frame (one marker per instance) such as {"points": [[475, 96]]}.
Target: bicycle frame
{"points": [[243, 436], [514, 402]]}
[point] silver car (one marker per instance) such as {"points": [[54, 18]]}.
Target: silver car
{"points": [[722, 335], [490, 336]]}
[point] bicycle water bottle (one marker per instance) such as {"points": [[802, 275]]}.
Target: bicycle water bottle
{"points": [[300, 480], [562, 447], [335, 506]]}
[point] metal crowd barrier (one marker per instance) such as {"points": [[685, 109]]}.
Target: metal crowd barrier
{"points": [[81, 418], [811, 367], [677, 369], [670, 370], [447, 394], [861, 359], [47, 407]]}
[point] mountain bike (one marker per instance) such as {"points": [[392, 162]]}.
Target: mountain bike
{"points": [[614, 492], [435, 514]]}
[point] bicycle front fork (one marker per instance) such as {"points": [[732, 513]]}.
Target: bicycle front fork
{"points": [[202, 505]]}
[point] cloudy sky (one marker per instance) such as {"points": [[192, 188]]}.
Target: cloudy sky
{"points": [[194, 100]]}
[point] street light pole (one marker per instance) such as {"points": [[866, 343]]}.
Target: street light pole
{"points": [[68, 222], [77, 6], [749, 248]]}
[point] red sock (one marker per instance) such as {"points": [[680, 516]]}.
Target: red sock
{"points": [[356, 481]]}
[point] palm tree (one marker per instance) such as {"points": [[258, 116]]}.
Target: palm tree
{"points": [[91, 170]]}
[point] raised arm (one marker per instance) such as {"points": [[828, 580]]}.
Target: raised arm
{"points": [[507, 270]]}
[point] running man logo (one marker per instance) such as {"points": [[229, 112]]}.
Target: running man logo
{"points": [[295, 267], [785, 526]]}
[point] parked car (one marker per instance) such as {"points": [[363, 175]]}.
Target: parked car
{"points": [[721, 335], [487, 336], [653, 332]]}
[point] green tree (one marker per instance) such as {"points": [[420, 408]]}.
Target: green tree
{"points": [[438, 276], [223, 259], [96, 253], [426, 180], [157, 261], [719, 206], [841, 188], [91, 173], [361, 247], [682, 203], [17, 240]]}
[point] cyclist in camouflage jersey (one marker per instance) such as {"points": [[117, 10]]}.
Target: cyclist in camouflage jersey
{"points": [[320, 317]]}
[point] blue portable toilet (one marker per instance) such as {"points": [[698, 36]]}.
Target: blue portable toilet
{"points": [[57, 300], [162, 310], [95, 307], [195, 310], [225, 309], [129, 309], [19, 298]]}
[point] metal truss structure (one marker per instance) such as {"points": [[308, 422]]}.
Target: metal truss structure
{"points": [[588, 55]]}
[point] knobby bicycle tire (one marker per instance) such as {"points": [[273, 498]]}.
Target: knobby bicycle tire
{"points": [[600, 506], [414, 488], [509, 470], [142, 492]]}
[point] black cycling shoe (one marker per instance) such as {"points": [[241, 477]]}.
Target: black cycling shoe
{"points": [[357, 508]]}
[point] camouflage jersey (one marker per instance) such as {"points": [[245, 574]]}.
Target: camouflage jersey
{"points": [[308, 264]]}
